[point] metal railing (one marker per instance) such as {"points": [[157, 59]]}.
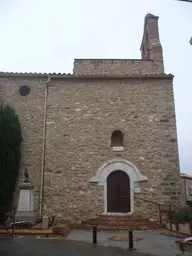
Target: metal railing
{"points": [[168, 211]]}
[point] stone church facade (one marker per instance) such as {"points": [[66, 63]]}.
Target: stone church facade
{"points": [[96, 139]]}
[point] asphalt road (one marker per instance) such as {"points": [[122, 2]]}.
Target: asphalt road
{"points": [[31, 246]]}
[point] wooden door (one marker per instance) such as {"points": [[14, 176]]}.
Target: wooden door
{"points": [[118, 192]]}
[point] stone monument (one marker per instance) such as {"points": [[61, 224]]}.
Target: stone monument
{"points": [[25, 210]]}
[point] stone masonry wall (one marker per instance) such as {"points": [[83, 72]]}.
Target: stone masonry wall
{"points": [[117, 66], [183, 192], [30, 111], [81, 116]]}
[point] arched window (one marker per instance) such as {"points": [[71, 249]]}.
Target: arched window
{"points": [[117, 139]]}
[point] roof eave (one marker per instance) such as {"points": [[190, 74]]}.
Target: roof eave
{"points": [[87, 76]]}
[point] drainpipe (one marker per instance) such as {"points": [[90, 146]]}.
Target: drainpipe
{"points": [[1, 95], [185, 194], [43, 149]]}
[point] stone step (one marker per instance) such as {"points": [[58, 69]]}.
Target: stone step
{"points": [[106, 222], [119, 223], [117, 228], [102, 218], [54, 231], [126, 217], [119, 219]]}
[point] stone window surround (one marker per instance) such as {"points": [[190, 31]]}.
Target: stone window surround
{"points": [[118, 164], [118, 148]]}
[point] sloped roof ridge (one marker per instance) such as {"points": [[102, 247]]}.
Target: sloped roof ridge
{"points": [[78, 74]]}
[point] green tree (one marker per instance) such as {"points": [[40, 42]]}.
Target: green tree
{"points": [[10, 155]]}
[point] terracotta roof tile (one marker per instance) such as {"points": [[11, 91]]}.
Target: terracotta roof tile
{"points": [[32, 74], [184, 175], [69, 75]]}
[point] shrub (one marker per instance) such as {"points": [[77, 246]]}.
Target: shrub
{"points": [[10, 154]]}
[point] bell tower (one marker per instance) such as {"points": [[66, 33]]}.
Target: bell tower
{"points": [[151, 48]]}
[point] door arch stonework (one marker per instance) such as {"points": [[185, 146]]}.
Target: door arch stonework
{"points": [[118, 164]]}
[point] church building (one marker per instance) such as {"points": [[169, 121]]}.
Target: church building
{"points": [[103, 139]]}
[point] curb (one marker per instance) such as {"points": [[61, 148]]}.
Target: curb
{"points": [[55, 231]]}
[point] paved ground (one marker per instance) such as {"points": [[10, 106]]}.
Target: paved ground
{"points": [[57, 247], [152, 241]]}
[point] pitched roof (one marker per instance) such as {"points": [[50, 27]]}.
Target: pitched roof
{"points": [[80, 75], [184, 175]]}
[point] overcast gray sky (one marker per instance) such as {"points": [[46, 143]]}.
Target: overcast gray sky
{"points": [[46, 35]]}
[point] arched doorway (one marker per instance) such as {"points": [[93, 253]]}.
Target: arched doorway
{"points": [[118, 192], [133, 174]]}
